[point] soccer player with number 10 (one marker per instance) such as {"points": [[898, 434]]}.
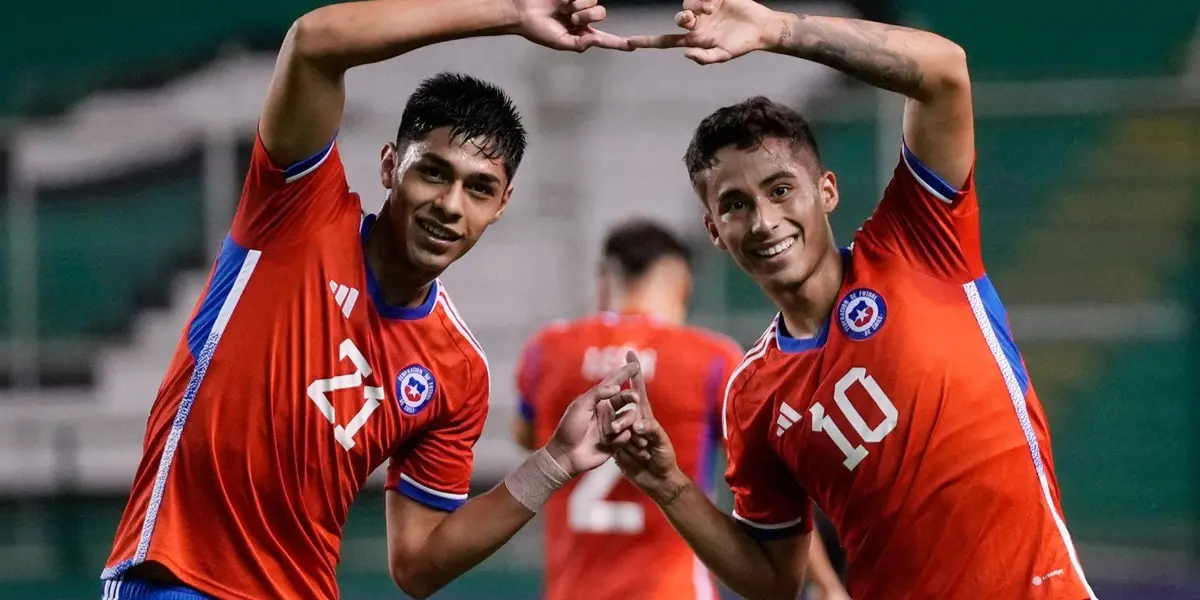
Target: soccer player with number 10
{"points": [[888, 389]]}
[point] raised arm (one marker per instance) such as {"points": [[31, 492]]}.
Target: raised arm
{"points": [[304, 104], [929, 69]]}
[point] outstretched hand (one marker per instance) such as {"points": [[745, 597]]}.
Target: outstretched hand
{"points": [[580, 443], [715, 30], [566, 25], [647, 458]]}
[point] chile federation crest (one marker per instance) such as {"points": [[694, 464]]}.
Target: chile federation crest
{"points": [[861, 313], [415, 387]]}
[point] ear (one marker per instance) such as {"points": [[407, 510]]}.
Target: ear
{"points": [[711, 227], [503, 203], [827, 186], [387, 165]]}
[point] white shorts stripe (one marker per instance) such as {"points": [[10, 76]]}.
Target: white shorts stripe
{"points": [[1017, 396]]}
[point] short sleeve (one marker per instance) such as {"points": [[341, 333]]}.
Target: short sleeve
{"points": [[766, 498], [436, 470], [928, 223], [728, 356], [286, 204], [529, 367]]}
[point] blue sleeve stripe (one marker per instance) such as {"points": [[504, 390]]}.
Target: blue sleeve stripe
{"points": [[526, 409], [308, 165], [430, 497], [929, 180], [230, 263]]}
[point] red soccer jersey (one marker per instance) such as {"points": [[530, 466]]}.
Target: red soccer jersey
{"points": [[909, 419], [292, 383], [604, 538]]}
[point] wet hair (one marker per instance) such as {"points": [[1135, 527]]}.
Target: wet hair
{"points": [[745, 125], [471, 108], [637, 244]]}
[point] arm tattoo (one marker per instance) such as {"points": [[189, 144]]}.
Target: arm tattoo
{"points": [[873, 52], [671, 496]]}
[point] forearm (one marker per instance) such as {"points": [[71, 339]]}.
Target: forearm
{"points": [[918, 64], [341, 36], [462, 540], [723, 545], [820, 570]]}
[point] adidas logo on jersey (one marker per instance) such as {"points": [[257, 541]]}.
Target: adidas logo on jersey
{"points": [[345, 297], [787, 417]]}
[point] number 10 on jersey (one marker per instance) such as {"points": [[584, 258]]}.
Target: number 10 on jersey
{"points": [[870, 435]]}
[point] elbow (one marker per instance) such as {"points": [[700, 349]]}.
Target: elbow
{"points": [[413, 584], [304, 36], [952, 75], [312, 37]]}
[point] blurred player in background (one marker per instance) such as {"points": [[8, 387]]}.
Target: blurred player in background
{"points": [[888, 389], [324, 345], [644, 285]]}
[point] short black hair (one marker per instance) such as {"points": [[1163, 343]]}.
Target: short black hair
{"points": [[637, 244], [470, 107], [745, 125]]}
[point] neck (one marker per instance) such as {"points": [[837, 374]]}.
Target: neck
{"points": [[402, 283], [805, 307], [649, 303]]}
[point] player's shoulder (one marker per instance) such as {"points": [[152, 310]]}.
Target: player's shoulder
{"points": [[463, 340], [564, 332], [715, 343], [741, 399]]}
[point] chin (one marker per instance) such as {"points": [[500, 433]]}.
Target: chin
{"points": [[429, 262], [787, 278]]}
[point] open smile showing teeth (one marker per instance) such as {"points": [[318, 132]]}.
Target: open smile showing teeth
{"points": [[776, 249], [437, 232]]}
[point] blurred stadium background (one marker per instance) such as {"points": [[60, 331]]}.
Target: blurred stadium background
{"points": [[125, 130]]}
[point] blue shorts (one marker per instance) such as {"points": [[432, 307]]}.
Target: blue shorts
{"points": [[125, 589]]}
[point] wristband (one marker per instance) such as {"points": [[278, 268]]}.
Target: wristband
{"points": [[536, 479]]}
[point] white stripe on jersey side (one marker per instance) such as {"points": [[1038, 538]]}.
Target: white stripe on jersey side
{"points": [[701, 580], [768, 526], [314, 167], [429, 490], [461, 326], [757, 351], [1017, 395], [198, 371]]}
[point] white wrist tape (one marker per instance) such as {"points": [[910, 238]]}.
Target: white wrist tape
{"points": [[536, 479]]}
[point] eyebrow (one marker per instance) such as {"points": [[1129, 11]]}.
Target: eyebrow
{"points": [[772, 178], [445, 164]]}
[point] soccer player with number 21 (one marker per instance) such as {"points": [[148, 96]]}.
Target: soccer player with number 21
{"points": [[888, 390], [324, 345]]}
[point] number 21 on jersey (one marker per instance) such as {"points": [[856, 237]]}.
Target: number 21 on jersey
{"points": [[821, 421], [319, 390]]}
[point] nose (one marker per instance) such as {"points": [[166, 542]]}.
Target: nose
{"points": [[449, 205], [767, 216]]}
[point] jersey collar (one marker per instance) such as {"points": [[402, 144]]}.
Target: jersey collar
{"points": [[406, 313], [792, 345]]}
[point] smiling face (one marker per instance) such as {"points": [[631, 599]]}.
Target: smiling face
{"points": [[444, 192], [769, 206]]}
